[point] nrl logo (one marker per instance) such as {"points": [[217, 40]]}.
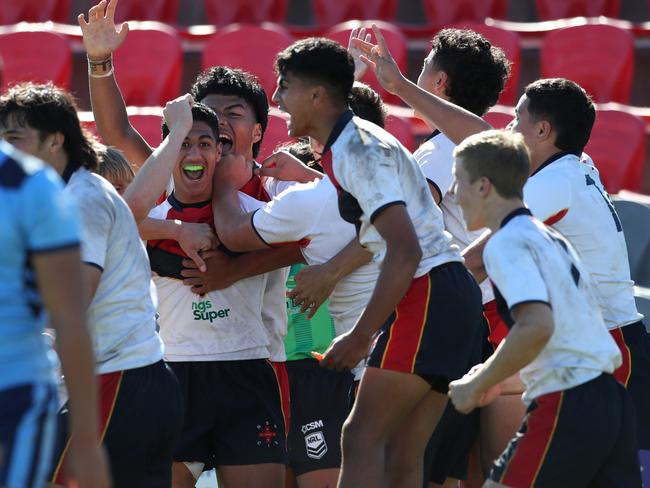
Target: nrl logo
{"points": [[316, 445]]}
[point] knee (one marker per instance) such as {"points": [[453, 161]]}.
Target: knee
{"points": [[356, 436]]}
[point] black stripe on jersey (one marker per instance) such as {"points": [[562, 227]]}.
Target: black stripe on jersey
{"points": [[94, 265], [179, 206], [350, 209], [435, 185], [12, 174], [60, 247], [513, 214], [376, 213], [164, 263], [255, 229], [554, 158]]}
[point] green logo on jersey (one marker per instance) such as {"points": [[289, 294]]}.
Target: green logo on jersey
{"points": [[202, 311]]}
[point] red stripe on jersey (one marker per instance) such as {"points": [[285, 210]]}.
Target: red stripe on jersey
{"points": [[282, 377], [200, 215], [498, 328], [407, 327], [254, 188], [554, 219], [161, 198], [623, 372], [326, 163], [539, 426], [109, 390]]}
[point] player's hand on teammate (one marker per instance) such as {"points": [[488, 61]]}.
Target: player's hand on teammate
{"points": [[87, 466], [221, 272], [178, 114], [194, 239], [360, 67], [101, 37], [313, 286], [346, 351], [379, 59], [286, 167], [232, 172], [464, 394]]}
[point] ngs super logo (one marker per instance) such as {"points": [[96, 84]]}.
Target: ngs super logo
{"points": [[202, 311]]}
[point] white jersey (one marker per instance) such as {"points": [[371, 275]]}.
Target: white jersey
{"points": [[310, 211], [372, 171], [436, 159], [528, 262], [122, 313], [568, 195], [218, 326], [274, 308]]}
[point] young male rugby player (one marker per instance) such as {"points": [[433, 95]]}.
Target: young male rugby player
{"points": [[557, 343]]}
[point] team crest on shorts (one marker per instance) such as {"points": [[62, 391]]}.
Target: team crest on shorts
{"points": [[267, 434], [316, 445]]}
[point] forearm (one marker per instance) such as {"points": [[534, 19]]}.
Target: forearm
{"points": [[154, 229], [111, 119], [265, 260], [394, 280], [152, 178], [232, 223], [348, 259], [454, 121]]}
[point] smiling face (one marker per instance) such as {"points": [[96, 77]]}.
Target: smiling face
{"points": [[238, 128], [195, 164], [294, 96]]}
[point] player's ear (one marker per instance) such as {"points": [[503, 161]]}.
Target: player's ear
{"points": [[544, 130], [257, 133], [54, 142]]}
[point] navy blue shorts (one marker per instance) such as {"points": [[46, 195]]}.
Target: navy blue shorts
{"points": [[435, 329], [634, 342], [233, 413], [583, 436], [27, 431], [141, 413], [320, 403]]}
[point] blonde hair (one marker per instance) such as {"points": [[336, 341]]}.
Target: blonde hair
{"points": [[498, 155], [113, 165]]}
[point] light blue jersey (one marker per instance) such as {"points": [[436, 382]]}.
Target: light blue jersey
{"points": [[36, 218]]}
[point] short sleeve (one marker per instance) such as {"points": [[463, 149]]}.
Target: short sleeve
{"points": [[373, 181], [97, 219], [512, 269], [274, 187], [50, 217], [547, 196], [436, 161], [289, 217]]}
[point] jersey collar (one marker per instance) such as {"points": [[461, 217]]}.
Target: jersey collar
{"points": [[178, 205], [433, 134], [515, 213], [552, 159], [69, 171], [339, 125]]}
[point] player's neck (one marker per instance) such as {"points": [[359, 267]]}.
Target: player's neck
{"points": [[322, 127], [541, 155], [498, 209]]}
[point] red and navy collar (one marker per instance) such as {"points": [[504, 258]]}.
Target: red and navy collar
{"points": [[515, 213], [555, 157], [178, 205]]}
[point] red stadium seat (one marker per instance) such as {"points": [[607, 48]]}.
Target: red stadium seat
{"points": [[329, 13], [598, 57], [562, 9], [35, 56], [221, 12], [617, 146], [274, 136], [13, 11], [511, 45], [441, 13], [148, 67], [499, 116], [149, 127], [402, 129], [250, 48], [159, 10], [396, 43]]}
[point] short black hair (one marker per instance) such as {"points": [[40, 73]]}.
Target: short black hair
{"points": [[222, 80], [476, 70], [50, 109], [568, 108], [367, 104], [200, 113], [321, 61]]}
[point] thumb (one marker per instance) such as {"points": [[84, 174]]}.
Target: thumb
{"points": [[124, 30], [194, 256]]}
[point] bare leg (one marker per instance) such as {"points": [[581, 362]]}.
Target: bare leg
{"points": [[322, 478], [181, 476], [251, 476], [500, 421]]}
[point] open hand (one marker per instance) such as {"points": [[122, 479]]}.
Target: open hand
{"points": [[100, 35], [360, 67], [313, 286], [379, 59]]}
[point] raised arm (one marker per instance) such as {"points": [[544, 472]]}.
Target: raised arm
{"points": [[454, 121], [101, 37]]}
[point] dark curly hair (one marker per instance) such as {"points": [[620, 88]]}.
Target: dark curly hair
{"points": [[476, 70], [567, 106], [367, 104], [50, 109], [321, 61], [200, 113], [222, 80]]}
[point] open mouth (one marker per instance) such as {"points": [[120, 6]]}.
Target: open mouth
{"points": [[226, 143], [193, 172]]}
